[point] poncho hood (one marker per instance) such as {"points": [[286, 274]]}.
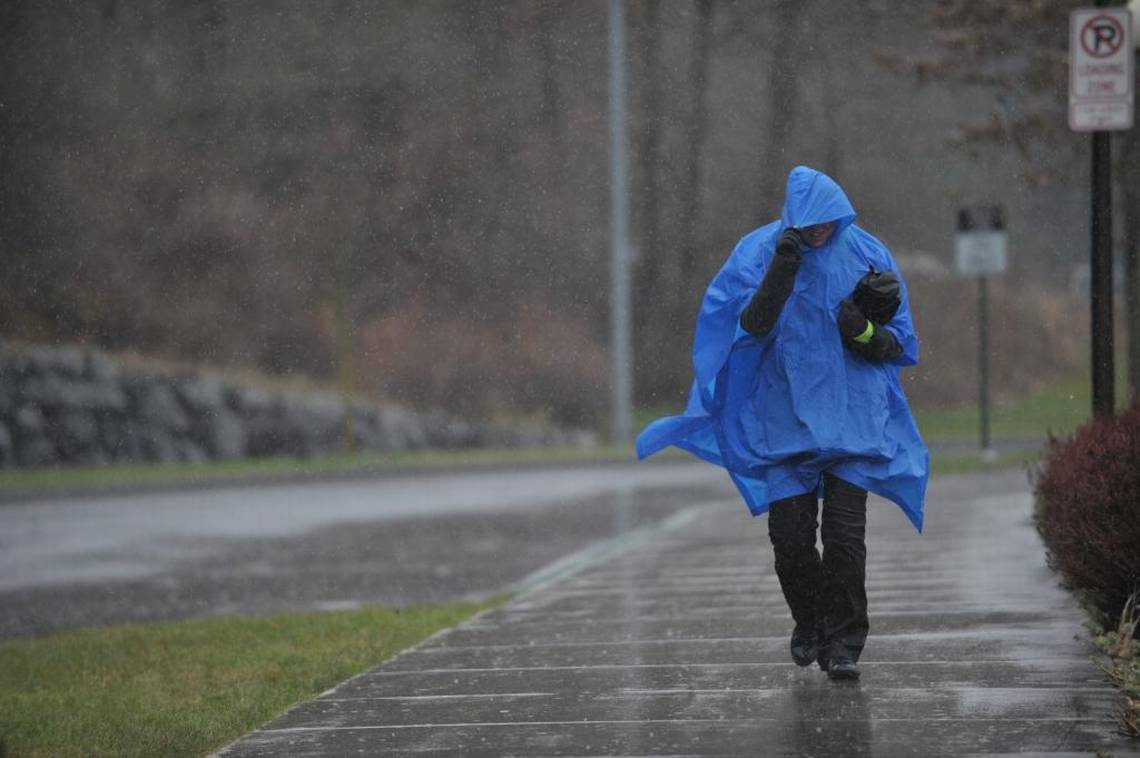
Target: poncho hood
{"points": [[812, 197]]}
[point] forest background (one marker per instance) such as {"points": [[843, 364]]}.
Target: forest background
{"points": [[423, 185]]}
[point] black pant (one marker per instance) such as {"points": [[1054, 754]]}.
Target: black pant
{"points": [[827, 594]]}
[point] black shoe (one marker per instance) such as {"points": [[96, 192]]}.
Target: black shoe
{"points": [[840, 667], [805, 647]]}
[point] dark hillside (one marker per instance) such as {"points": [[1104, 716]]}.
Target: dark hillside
{"points": [[422, 185]]}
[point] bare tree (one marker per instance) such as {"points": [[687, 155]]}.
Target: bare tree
{"points": [[783, 81]]}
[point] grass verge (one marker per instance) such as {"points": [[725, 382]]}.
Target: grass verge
{"points": [[1056, 409], [268, 469], [15, 483], [189, 687], [941, 465]]}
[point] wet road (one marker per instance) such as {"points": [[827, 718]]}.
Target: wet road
{"points": [[318, 544]]}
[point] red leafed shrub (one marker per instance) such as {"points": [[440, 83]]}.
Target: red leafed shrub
{"points": [[1088, 510]]}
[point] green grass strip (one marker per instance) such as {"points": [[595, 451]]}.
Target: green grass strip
{"points": [[18, 482], [268, 469], [942, 465], [189, 687], [1058, 409]]}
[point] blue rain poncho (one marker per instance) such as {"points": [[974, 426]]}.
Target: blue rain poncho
{"points": [[779, 410]]}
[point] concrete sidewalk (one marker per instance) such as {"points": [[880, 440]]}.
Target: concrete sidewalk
{"points": [[675, 642]]}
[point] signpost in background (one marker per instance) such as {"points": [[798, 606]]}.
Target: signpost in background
{"points": [[980, 250], [1100, 77], [1101, 99]]}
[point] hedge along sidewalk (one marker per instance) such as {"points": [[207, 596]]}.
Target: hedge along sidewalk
{"points": [[1087, 513], [188, 687]]}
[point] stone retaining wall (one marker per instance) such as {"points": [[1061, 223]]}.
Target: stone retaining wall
{"points": [[71, 405]]}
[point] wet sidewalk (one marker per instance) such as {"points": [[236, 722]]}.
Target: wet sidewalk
{"points": [[673, 641]]}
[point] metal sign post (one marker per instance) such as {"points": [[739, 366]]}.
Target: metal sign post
{"points": [[980, 249], [1101, 99]]}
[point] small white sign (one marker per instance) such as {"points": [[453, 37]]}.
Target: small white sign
{"points": [[1100, 73], [980, 252], [980, 246]]}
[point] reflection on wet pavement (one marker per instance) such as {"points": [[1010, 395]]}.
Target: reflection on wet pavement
{"points": [[319, 545], [678, 646]]}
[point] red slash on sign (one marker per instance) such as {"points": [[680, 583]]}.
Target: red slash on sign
{"points": [[1102, 36]]}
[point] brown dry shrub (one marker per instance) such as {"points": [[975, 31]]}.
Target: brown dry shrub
{"points": [[1035, 336], [529, 359]]}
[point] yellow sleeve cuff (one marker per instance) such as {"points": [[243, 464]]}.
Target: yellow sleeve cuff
{"points": [[865, 337]]}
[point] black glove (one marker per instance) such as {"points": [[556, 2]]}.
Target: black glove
{"points": [[791, 242], [852, 322], [760, 316], [874, 344], [878, 296]]}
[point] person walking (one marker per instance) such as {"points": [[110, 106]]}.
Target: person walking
{"points": [[796, 394]]}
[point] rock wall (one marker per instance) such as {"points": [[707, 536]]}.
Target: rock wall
{"points": [[71, 405]]}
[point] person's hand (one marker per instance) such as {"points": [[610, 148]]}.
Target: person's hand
{"points": [[791, 243], [852, 323]]}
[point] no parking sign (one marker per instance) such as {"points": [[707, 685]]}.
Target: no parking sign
{"points": [[1100, 74]]}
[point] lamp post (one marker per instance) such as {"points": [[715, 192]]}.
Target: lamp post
{"points": [[621, 365]]}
